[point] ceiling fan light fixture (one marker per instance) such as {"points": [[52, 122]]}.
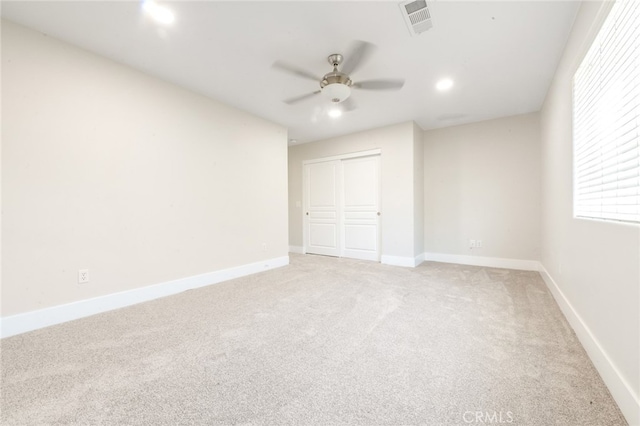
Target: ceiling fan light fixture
{"points": [[335, 112], [160, 14], [336, 92], [444, 84]]}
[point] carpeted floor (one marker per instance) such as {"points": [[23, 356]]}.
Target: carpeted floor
{"points": [[323, 341]]}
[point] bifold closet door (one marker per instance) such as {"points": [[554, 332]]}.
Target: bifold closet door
{"points": [[342, 208]]}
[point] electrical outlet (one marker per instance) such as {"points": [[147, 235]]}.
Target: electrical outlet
{"points": [[479, 243], [83, 276], [472, 243], [264, 246]]}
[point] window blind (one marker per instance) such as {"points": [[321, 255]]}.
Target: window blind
{"points": [[606, 120]]}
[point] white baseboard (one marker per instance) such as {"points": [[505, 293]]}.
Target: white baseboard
{"points": [[490, 262], [622, 393], [22, 323], [410, 262], [387, 260]]}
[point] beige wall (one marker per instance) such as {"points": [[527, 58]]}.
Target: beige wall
{"points": [[418, 189], [397, 173], [135, 179], [482, 181], [596, 265]]}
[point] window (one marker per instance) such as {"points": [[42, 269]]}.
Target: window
{"points": [[606, 120]]}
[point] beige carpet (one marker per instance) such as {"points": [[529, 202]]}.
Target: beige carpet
{"points": [[323, 341]]}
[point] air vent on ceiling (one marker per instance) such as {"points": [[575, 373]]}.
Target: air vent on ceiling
{"points": [[416, 15]]}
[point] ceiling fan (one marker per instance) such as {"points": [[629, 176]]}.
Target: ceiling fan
{"points": [[336, 85]]}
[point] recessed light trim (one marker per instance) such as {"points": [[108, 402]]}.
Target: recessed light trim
{"points": [[160, 14], [444, 84]]}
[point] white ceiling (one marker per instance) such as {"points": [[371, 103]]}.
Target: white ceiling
{"points": [[501, 55]]}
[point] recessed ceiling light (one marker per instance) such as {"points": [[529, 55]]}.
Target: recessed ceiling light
{"points": [[293, 141], [444, 84], [160, 14], [335, 113]]}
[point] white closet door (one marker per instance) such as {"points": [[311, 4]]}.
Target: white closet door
{"points": [[360, 208], [321, 208]]}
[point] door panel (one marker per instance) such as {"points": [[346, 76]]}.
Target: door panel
{"points": [[321, 208], [360, 237], [322, 181], [360, 208], [361, 183], [323, 235]]}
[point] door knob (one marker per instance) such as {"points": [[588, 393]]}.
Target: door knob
{"points": [[307, 213], [378, 213]]}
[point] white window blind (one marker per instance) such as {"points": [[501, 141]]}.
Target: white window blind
{"points": [[606, 120]]}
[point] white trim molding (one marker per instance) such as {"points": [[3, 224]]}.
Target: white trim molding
{"points": [[34, 320], [410, 262], [358, 154], [620, 389], [490, 262]]}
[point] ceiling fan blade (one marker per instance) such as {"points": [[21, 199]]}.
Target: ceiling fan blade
{"points": [[388, 84], [292, 69], [300, 98], [357, 55]]}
